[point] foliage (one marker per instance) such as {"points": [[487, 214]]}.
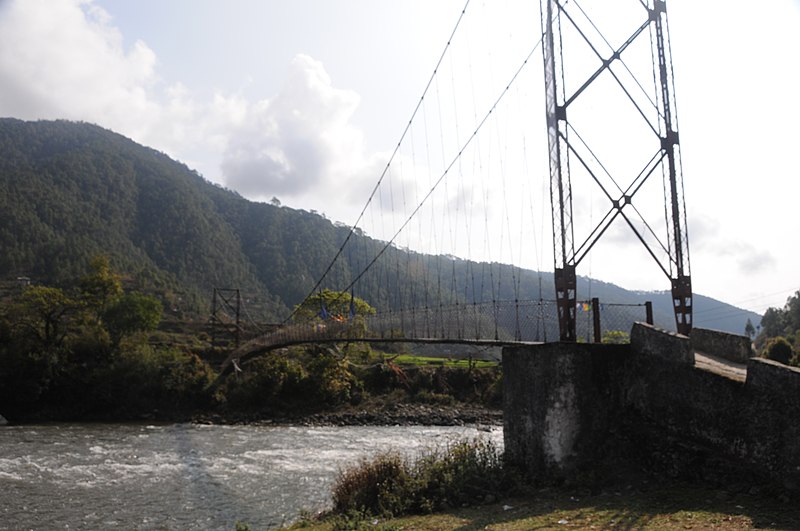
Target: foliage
{"points": [[332, 304], [616, 337], [330, 379], [306, 378], [779, 339], [132, 312], [774, 323], [315, 377], [781, 322], [269, 381], [24, 377], [144, 378], [749, 329], [778, 349], [101, 287], [42, 315], [85, 354], [380, 486], [405, 359], [467, 472]]}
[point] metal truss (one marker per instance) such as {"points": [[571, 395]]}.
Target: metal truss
{"points": [[226, 305], [657, 110]]}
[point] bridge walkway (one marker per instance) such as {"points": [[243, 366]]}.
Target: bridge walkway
{"points": [[721, 366]]}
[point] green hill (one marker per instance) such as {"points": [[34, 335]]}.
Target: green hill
{"points": [[69, 191]]}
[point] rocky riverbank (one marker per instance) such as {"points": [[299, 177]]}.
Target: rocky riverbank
{"points": [[411, 414], [397, 414]]}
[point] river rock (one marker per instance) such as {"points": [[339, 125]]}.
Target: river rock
{"points": [[3, 421]]}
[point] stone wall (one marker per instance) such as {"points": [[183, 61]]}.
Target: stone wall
{"points": [[722, 344], [667, 346], [700, 424], [566, 405], [559, 403]]}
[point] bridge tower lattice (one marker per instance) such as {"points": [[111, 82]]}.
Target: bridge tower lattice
{"points": [[658, 110]]}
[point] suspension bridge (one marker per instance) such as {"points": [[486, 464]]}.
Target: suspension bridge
{"points": [[450, 244]]}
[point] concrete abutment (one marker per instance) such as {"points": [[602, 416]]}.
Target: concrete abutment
{"points": [[569, 408], [558, 404]]}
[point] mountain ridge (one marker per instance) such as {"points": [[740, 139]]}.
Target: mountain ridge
{"points": [[71, 190]]}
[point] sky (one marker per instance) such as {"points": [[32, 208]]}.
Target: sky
{"points": [[305, 101]]}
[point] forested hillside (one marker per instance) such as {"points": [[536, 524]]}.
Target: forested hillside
{"points": [[72, 191]]}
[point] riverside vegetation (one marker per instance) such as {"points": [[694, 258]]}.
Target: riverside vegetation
{"points": [[779, 334], [466, 485], [92, 351]]}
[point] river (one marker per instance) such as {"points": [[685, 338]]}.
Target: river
{"points": [[186, 476]]}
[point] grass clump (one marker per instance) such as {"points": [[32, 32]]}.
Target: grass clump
{"points": [[464, 473], [378, 486]]}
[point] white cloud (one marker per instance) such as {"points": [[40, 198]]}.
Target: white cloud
{"points": [[62, 59], [716, 246], [298, 141], [65, 59]]}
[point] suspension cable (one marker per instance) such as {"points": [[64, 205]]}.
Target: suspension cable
{"points": [[452, 163], [388, 164]]}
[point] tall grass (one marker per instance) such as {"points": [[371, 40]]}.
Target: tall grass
{"points": [[464, 473]]}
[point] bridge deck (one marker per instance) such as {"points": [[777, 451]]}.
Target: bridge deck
{"points": [[721, 366]]}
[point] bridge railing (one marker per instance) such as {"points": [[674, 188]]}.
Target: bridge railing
{"points": [[518, 320], [500, 321], [595, 319]]}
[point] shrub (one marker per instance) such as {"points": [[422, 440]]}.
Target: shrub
{"points": [[143, 378], [380, 486], [616, 337], [777, 349], [264, 381], [385, 377], [466, 384], [421, 380], [330, 379], [464, 473], [133, 312]]}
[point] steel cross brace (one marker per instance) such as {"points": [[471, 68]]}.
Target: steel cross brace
{"points": [[667, 158]]}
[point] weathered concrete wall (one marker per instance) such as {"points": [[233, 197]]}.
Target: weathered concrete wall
{"points": [[771, 376], [667, 346], [722, 344], [566, 404], [698, 423], [558, 404]]}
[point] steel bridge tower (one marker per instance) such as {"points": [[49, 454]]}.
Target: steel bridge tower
{"points": [[567, 28]]}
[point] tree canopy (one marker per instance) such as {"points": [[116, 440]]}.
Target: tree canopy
{"points": [[329, 304], [82, 350], [779, 338], [132, 312]]}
